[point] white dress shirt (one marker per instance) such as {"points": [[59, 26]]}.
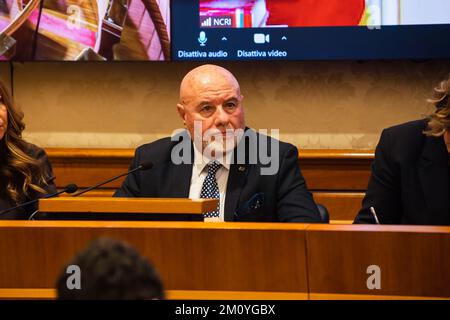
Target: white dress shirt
{"points": [[199, 173]]}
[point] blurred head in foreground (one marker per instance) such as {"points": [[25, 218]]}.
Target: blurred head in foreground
{"points": [[109, 270]]}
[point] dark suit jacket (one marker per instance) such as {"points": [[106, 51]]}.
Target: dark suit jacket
{"points": [[23, 213], [285, 194], [410, 178]]}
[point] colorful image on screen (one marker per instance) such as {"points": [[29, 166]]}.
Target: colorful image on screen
{"points": [[321, 13], [84, 30]]}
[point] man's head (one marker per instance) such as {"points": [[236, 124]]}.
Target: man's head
{"points": [[111, 270], [211, 95]]}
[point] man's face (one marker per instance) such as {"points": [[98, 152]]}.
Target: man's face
{"points": [[3, 120], [215, 102]]}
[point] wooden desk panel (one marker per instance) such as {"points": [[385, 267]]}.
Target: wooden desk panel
{"points": [[189, 255], [255, 259], [414, 261], [130, 205]]}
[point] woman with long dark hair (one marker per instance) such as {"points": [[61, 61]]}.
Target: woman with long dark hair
{"points": [[25, 172]]}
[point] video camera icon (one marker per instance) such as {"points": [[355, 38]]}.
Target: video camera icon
{"points": [[261, 38]]}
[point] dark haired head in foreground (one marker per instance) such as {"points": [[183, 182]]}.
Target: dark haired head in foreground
{"points": [[111, 270]]}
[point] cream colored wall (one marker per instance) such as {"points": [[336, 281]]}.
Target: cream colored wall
{"points": [[5, 74], [340, 104]]}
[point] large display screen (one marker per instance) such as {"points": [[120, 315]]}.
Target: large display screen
{"points": [[310, 29], [84, 30]]}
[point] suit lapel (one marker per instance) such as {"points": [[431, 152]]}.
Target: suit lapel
{"points": [[236, 181], [433, 174], [180, 180], [179, 175]]}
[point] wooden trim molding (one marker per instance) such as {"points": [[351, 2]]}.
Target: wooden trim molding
{"points": [[130, 205], [304, 154], [51, 294], [334, 296], [89, 153], [336, 154]]}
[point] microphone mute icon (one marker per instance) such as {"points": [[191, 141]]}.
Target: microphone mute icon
{"points": [[202, 39]]}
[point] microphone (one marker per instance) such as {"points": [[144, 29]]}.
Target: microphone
{"points": [[374, 214], [202, 39], [145, 165], [70, 188]]}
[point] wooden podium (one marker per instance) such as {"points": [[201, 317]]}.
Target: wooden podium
{"points": [[239, 260], [107, 208]]}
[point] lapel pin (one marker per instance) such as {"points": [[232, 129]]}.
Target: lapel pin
{"points": [[241, 168]]}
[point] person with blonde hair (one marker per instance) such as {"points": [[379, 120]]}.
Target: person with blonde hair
{"points": [[410, 181], [25, 172]]}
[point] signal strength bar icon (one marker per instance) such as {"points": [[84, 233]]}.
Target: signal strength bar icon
{"points": [[207, 22]]}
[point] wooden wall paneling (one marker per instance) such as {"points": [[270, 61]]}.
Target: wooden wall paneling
{"points": [[340, 205], [86, 167], [336, 170], [340, 170]]}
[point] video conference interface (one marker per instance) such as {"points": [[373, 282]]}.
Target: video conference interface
{"points": [[204, 30], [305, 29]]}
